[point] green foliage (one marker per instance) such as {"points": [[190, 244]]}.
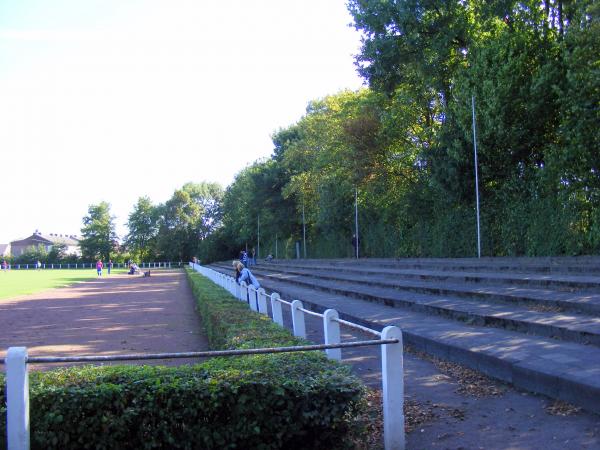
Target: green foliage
{"points": [[31, 255], [143, 230], [99, 238], [191, 214], [406, 144]]}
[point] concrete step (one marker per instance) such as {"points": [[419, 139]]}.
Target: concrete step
{"points": [[579, 328], [561, 370], [550, 281], [584, 265], [574, 302]]}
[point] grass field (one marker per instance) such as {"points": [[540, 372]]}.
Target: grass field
{"points": [[23, 282]]}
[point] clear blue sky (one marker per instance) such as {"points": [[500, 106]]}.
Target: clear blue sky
{"points": [[114, 99]]}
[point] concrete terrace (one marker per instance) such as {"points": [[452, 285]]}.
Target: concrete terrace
{"points": [[532, 322]]}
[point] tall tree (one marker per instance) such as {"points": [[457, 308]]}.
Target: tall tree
{"points": [[190, 215], [98, 233], [209, 198], [143, 229]]}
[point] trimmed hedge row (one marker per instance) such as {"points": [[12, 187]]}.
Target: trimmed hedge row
{"points": [[290, 401]]}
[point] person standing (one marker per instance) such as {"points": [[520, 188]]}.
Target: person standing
{"points": [[38, 265], [4, 266], [99, 266]]}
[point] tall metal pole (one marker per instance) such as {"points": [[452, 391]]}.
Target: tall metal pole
{"points": [[303, 230], [356, 218], [476, 178]]}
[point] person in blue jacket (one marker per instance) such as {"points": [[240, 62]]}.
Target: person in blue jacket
{"points": [[244, 274]]}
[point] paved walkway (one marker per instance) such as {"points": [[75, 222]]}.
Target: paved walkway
{"points": [[463, 416], [112, 315]]}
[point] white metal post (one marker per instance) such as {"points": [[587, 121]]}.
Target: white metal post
{"points": [[238, 291], [243, 292], [276, 308], [298, 319], [252, 298], [392, 377], [331, 328], [262, 301], [17, 399]]}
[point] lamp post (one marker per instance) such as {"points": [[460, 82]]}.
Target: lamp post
{"points": [[356, 219], [303, 229], [476, 177]]}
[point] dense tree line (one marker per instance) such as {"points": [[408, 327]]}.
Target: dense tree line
{"points": [[404, 146], [405, 143], [173, 231]]}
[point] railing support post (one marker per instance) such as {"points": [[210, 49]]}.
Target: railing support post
{"points": [[244, 292], [276, 308], [238, 291], [262, 301], [252, 298], [392, 377], [331, 329], [298, 319], [17, 399]]}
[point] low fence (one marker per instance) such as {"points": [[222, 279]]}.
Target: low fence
{"points": [[17, 360], [390, 339], [144, 265]]}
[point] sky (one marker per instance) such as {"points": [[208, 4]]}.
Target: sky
{"points": [[111, 100]]}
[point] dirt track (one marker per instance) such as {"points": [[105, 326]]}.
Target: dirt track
{"points": [[112, 315]]}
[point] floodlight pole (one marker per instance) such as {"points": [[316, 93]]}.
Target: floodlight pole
{"points": [[303, 229], [356, 219], [476, 178]]}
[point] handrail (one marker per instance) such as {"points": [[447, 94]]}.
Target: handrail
{"points": [[392, 365], [214, 353], [310, 313], [357, 326], [278, 299]]}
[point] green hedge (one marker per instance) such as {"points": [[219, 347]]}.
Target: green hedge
{"points": [[290, 401]]}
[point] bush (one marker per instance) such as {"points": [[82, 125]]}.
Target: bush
{"points": [[292, 401]]}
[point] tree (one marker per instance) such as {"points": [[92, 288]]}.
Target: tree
{"points": [[57, 253], [143, 229], [98, 233], [209, 198], [190, 215]]}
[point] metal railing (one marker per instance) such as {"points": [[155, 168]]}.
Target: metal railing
{"points": [[390, 339], [92, 265]]}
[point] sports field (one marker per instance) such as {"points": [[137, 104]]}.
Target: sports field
{"points": [[23, 282]]}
